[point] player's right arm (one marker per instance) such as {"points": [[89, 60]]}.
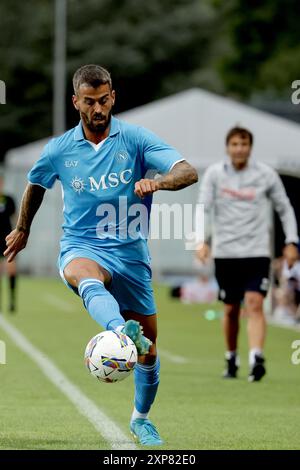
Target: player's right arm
{"points": [[203, 252], [283, 207], [41, 177], [17, 239]]}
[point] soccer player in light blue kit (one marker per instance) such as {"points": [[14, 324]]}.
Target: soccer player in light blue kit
{"points": [[102, 165]]}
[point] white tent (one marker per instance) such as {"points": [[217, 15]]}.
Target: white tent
{"points": [[195, 122]]}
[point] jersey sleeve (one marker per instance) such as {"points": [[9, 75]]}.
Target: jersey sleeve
{"points": [[155, 153], [43, 172]]}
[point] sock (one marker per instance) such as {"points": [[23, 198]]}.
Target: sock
{"points": [[146, 385], [230, 354], [137, 415], [100, 304], [252, 353]]}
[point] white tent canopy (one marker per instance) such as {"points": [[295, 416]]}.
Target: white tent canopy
{"points": [[25, 156], [195, 122]]}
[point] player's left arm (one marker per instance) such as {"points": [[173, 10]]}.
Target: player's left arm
{"points": [[181, 175], [287, 216]]}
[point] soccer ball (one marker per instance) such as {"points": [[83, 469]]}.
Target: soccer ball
{"points": [[110, 356]]}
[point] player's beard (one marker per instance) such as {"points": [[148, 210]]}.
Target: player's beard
{"points": [[97, 126]]}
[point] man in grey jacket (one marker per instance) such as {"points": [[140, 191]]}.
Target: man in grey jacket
{"points": [[236, 193]]}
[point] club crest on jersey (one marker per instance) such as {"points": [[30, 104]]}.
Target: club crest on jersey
{"points": [[121, 156]]}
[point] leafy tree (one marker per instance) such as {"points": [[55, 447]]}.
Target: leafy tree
{"points": [[264, 37], [151, 48], [26, 53]]}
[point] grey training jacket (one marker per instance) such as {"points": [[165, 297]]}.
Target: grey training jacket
{"points": [[238, 202]]}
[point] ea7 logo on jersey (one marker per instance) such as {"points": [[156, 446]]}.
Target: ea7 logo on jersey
{"points": [[110, 180], [71, 163]]}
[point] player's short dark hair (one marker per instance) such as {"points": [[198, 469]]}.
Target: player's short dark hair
{"points": [[92, 75], [242, 132]]}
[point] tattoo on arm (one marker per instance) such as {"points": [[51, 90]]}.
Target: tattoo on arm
{"points": [[181, 176], [31, 201]]}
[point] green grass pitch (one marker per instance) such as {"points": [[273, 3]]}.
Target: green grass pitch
{"points": [[194, 409]]}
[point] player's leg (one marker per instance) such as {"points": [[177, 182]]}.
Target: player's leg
{"points": [[256, 320], [12, 278], [256, 329], [229, 278], [131, 286], [231, 331], [256, 290], [231, 325], [146, 374], [89, 279]]}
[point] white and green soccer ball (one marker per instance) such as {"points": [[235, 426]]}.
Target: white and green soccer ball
{"points": [[110, 356]]}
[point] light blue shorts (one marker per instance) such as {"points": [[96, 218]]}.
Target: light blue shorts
{"points": [[131, 279]]}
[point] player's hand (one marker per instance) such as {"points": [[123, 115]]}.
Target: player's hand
{"points": [[203, 253], [291, 254], [145, 187], [15, 242]]}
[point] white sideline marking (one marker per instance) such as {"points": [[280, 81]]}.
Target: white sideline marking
{"points": [[104, 425], [58, 303], [172, 357]]}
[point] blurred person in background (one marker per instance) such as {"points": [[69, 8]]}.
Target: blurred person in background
{"points": [[235, 192], [286, 292], [7, 210], [202, 289]]}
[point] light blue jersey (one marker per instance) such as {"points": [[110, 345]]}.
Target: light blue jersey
{"points": [[104, 220], [98, 185]]}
